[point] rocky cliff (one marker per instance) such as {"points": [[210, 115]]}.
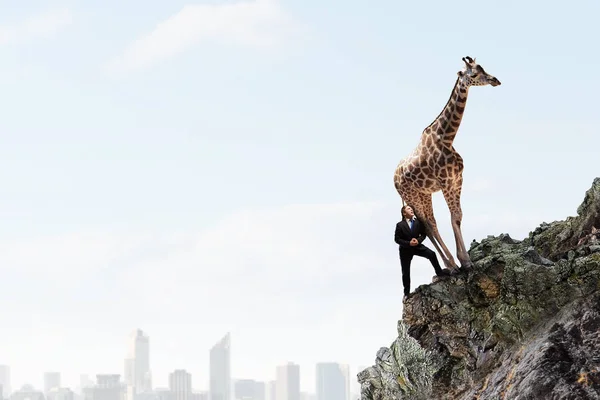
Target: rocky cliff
{"points": [[523, 324]]}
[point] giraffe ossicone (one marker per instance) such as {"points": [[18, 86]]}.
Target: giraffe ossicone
{"points": [[434, 165]]}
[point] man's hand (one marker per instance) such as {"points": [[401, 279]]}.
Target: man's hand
{"points": [[414, 242]]}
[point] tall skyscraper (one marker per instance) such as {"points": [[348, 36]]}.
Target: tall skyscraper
{"points": [[137, 364], [288, 382], [332, 381], [180, 385], [220, 369], [5, 381], [51, 381]]}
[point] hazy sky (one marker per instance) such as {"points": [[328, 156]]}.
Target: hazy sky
{"points": [[196, 168]]}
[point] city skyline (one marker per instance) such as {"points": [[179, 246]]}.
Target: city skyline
{"points": [[138, 344]]}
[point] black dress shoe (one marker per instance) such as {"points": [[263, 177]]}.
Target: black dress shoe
{"points": [[444, 272]]}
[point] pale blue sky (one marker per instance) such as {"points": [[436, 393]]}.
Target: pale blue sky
{"points": [[236, 167]]}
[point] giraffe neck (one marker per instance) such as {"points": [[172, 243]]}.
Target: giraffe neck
{"points": [[445, 126]]}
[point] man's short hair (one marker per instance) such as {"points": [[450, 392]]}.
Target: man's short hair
{"points": [[404, 208]]}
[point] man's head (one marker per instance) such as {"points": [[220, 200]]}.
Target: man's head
{"points": [[473, 74], [407, 211]]}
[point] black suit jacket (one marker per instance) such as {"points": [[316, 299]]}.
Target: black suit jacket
{"points": [[403, 235]]}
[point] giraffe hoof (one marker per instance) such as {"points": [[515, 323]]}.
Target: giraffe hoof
{"points": [[466, 268]]}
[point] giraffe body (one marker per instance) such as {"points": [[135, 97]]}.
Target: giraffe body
{"points": [[435, 165]]}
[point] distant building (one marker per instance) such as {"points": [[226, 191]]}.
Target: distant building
{"points": [[288, 382], [107, 387], [271, 390], [84, 381], [51, 381], [163, 394], [204, 395], [180, 385], [149, 395], [137, 373], [27, 392], [5, 381], [220, 370], [248, 389], [332, 382], [58, 393]]}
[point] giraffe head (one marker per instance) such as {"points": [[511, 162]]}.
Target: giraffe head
{"points": [[474, 75]]}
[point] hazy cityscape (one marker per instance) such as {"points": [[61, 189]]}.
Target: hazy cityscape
{"points": [[333, 381]]}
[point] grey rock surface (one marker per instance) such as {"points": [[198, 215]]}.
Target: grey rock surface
{"points": [[404, 370], [523, 324]]}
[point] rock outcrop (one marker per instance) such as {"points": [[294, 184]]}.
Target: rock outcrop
{"points": [[523, 324]]}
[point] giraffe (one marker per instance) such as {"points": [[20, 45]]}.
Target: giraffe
{"points": [[435, 165]]}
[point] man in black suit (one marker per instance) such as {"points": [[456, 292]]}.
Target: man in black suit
{"points": [[410, 234]]}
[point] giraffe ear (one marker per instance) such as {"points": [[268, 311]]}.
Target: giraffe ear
{"points": [[461, 73]]}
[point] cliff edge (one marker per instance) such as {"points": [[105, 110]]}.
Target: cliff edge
{"points": [[523, 324]]}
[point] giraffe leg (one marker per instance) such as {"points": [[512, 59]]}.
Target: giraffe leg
{"points": [[425, 213], [452, 195]]}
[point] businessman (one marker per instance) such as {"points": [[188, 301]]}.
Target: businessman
{"points": [[409, 236]]}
